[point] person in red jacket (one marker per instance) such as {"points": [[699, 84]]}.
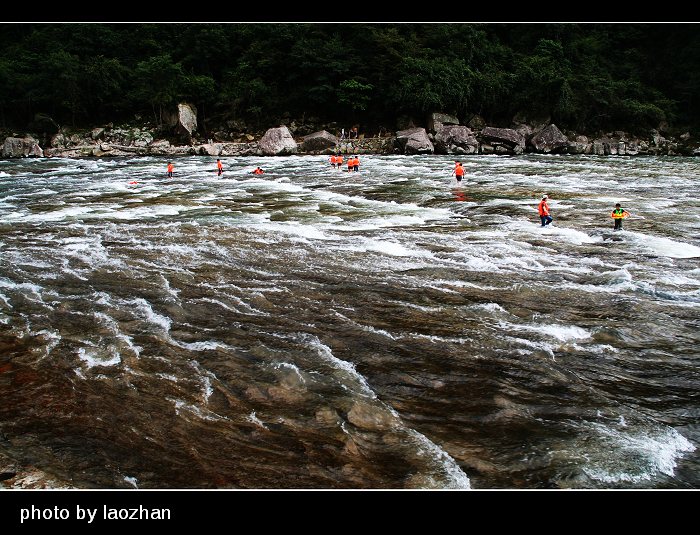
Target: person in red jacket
{"points": [[219, 166], [543, 209], [258, 171], [458, 171], [170, 170]]}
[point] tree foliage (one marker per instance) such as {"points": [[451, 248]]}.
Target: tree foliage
{"points": [[583, 76]]}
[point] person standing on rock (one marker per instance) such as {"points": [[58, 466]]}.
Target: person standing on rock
{"points": [[543, 209], [458, 171], [170, 170], [220, 167]]}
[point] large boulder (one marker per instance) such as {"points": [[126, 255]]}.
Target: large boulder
{"points": [[455, 140], [414, 141], [186, 120], [438, 120], [319, 141], [504, 136], [549, 139], [580, 145], [21, 147], [277, 142]]}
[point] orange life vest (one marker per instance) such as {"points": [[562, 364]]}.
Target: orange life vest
{"points": [[542, 208], [459, 170], [258, 172]]}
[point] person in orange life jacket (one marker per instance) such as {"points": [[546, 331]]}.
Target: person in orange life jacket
{"points": [[543, 209], [258, 171], [351, 163], [333, 161], [355, 163], [339, 161], [219, 166], [618, 214], [458, 171], [170, 170]]}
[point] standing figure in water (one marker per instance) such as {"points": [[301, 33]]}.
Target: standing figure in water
{"points": [[618, 214], [219, 166], [170, 170], [458, 171], [543, 209]]}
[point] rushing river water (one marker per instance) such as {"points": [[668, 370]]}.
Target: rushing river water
{"points": [[315, 328]]}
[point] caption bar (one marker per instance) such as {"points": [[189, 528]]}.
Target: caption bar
{"points": [[88, 514]]}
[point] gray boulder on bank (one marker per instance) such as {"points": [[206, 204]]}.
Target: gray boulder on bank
{"points": [[277, 142], [549, 139], [186, 120], [319, 141], [504, 136], [580, 145], [414, 141], [438, 120], [455, 140], [21, 147]]}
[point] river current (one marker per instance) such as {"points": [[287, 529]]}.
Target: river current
{"points": [[312, 328]]}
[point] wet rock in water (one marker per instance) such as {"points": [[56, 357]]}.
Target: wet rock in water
{"points": [[277, 142], [371, 416], [455, 140], [414, 141], [21, 147], [549, 139], [319, 141], [186, 120]]}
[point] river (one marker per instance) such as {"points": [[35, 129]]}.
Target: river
{"points": [[311, 328]]}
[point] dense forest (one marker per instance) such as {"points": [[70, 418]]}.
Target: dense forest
{"points": [[586, 77]]}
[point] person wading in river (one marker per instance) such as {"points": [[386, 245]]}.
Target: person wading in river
{"points": [[170, 170], [458, 171], [219, 166], [618, 214], [543, 209]]}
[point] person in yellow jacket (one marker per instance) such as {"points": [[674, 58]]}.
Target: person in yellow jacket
{"points": [[618, 214]]}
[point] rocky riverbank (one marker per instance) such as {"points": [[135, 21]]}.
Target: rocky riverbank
{"points": [[442, 135]]}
